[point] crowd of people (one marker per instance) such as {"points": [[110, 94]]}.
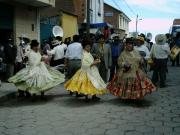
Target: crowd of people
{"points": [[92, 66]]}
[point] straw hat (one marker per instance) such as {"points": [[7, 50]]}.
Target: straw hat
{"points": [[140, 38], [160, 39]]}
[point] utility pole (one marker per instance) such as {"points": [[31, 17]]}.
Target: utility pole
{"points": [[88, 18], [137, 20], [136, 24]]}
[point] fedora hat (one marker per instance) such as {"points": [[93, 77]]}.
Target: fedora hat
{"points": [[160, 39]]}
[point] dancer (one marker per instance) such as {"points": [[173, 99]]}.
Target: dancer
{"points": [[36, 77], [87, 80], [130, 82]]}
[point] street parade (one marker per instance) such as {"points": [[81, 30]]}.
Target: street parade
{"points": [[88, 78]]}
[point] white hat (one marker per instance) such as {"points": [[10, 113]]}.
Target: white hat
{"points": [[114, 35], [55, 42], [160, 39]]}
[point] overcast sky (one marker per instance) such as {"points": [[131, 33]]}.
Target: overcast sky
{"points": [[157, 15]]}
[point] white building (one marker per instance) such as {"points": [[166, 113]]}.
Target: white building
{"points": [[124, 23], [96, 11]]}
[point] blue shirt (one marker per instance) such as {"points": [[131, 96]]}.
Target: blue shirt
{"points": [[116, 49]]}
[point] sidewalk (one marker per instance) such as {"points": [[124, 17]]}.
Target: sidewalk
{"points": [[6, 89]]}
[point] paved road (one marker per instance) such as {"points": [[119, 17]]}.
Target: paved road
{"points": [[159, 114]]}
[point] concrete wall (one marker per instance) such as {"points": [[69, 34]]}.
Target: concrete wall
{"points": [[97, 11], [80, 10], [114, 19], [69, 25], [118, 19], [26, 21]]}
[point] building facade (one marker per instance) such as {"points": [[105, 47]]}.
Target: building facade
{"points": [[118, 19], [21, 17], [63, 14], [176, 21], [96, 13]]}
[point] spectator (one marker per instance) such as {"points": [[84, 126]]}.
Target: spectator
{"points": [[176, 42], [102, 51], [10, 51], [159, 53]]}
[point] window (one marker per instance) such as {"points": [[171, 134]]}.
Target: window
{"points": [[99, 9], [32, 27], [91, 6], [120, 20], [108, 14], [91, 16]]}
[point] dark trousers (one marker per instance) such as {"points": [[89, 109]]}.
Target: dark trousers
{"points": [[159, 73], [176, 61], [19, 66], [9, 70], [57, 62], [103, 71], [114, 67], [73, 67]]}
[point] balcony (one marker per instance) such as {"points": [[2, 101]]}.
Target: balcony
{"points": [[35, 3]]}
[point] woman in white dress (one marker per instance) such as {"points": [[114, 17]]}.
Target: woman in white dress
{"points": [[36, 77]]}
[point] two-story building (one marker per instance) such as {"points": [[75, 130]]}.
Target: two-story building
{"points": [[19, 17], [96, 13], [118, 19], [63, 14]]}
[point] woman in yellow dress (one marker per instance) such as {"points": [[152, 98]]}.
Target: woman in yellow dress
{"points": [[87, 80], [130, 82]]}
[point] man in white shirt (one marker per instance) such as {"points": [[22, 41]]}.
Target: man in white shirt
{"points": [[73, 56], [58, 52], [159, 53], [142, 48]]}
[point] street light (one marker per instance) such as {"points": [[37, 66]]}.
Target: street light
{"points": [[137, 23]]}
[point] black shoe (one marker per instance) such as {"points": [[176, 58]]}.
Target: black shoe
{"points": [[94, 97], [33, 98], [79, 95], [71, 93], [42, 96], [86, 98], [20, 93], [28, 95]]}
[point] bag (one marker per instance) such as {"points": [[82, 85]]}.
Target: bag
{"points": [[150, 61], [174, 52]]}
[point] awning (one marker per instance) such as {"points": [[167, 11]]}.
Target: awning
{"points": [[100, 25], [35, 3]]}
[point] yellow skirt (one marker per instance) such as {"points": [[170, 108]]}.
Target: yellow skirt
{"points": [[82, 84]]}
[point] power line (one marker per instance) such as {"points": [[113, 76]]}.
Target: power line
{"points": [[116, 4], [129, 7]]}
